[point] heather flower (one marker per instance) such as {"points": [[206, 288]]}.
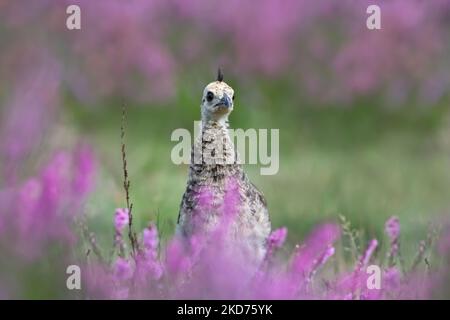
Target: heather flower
{"points": [[122, 269], [177, 260], [391, 279], [150, 236], [277, 238], [55, 181], [84, 170], [314, 247], [31, 105], [327, 254], [150, 261], [121, 219], [359, 276], [364, 260], [392, 228]]}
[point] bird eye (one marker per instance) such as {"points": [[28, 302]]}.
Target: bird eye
{"points": [[209, 96], [233, 97]]}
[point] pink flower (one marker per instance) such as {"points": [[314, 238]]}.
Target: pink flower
{"points": [[84, 170], [277, 237], [368, 253], [122, 269], [392, 228], [121, 219], [318, 243], [150, 237], [177, 261]]}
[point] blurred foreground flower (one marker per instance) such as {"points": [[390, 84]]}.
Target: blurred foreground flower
{"points": [[40, 215]]}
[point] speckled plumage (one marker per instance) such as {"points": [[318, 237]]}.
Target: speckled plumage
{"points": [[214, 163]]}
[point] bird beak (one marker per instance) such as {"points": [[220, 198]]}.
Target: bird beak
{"points": [[225, 101]]}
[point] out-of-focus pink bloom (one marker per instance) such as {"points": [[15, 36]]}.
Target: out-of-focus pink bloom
{"points": [[121, 219], [30, 107], [327, 254], [151, 241], [40, 211], [359, 276], [391, 279], [314, 247], [392, 228], [150, 237], [122, 269], [365, 258], [84, 170], [177, 260], [277, 237]]}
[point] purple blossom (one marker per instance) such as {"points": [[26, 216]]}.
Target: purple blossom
{"points": [[29, 108], [122, 269], [327, 254], [39, 212], [121, 219], [314, 247], [277, 237], [275, 240], [392, 228], [364, 260], [150, 236], [151, 242], [391, 278], [177, 260], [85, 168]]}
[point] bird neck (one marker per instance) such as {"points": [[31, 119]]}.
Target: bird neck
{"points": [[221, 123], [214, 146], [221, 119]]}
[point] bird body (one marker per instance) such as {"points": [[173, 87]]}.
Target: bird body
{"points": [[215, 173]]}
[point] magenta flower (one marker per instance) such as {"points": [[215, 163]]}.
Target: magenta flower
{"points": [[277, 238], [121, 219], [177, 260], [122, 269], [84, 170], [320, 240], [364, 260], [319, 263], [392, 228], [150, 236]]}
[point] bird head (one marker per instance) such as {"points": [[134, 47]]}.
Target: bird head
{"points": [[217, 101]]}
